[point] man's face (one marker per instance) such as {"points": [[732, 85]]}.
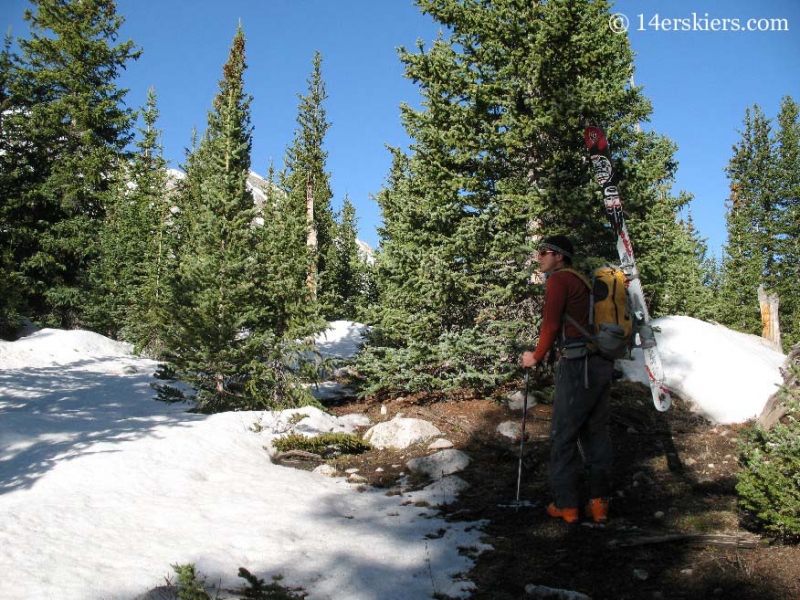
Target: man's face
{"points": [[549, 260]]}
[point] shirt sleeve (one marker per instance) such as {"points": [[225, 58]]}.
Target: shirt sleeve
{"points": [[555, 301]]}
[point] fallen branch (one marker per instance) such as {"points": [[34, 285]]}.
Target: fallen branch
{"points": [[427, 413], [302, 454], [694, 539]]}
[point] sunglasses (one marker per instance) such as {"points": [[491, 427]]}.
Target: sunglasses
{"points": [[545, 252]]}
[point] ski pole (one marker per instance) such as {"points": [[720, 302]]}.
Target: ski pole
{"points": [[522, 437]]}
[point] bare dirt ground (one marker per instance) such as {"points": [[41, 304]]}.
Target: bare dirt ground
{"points": [[675, 530]]}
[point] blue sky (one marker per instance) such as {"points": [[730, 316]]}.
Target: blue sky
{"points": [[700, 81]]}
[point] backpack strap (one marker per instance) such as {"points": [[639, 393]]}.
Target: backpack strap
{"points": [[589, 337], [579, 275], [578, 326], [572, 319]]}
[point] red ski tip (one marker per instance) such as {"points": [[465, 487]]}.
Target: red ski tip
{"points": [[595, 138]]}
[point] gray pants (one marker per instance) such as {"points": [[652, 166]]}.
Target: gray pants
{"points": [[581, 414]]}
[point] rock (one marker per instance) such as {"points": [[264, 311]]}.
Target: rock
{"points": [[439, 464], [400, 432], [326, 469], [510, 429], [356, 478], [659, 515], [689, 461], [641, 574], [515, 400], [343, 372], [355, 420], [440, 444], [547, 593], [162, 592], [351, 471]]}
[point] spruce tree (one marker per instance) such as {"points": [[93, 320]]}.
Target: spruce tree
{"points": [[347, 272], [684, 281], [10, 282], [750, 253], [282, 240], [787, 282], [66, 130], [234, 329], [306, 181], [497, 161], [207, 342], [137, 244], [147, 320]]}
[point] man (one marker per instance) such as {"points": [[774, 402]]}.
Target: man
{"points": [[583, 383]]}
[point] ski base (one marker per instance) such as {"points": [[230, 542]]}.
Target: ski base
{"points": [[606, 174]]}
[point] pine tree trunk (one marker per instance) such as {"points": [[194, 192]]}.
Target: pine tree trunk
{"points": [[771, 329], [311, 240]]}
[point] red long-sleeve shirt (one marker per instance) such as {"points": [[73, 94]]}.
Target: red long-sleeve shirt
{"points": [[564, 292]]}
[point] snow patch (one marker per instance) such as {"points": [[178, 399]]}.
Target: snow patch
{"points": [[728, 376]]}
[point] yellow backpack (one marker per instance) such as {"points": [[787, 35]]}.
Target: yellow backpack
{"points": [[610, 319]]}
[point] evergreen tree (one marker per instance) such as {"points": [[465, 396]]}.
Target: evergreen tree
{"points": [[10, 297], [146, 321], [685, 277], [207, 342], [137, 243], [295, 310], [347, 272], [233, 333], [669, 254], [497, 161], [306, 181], [750, 254], [66, 129], [787, 280]]}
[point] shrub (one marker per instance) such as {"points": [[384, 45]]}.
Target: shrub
{"points": [[345, 443], [259, 590], [190, 585], [769, 479]]}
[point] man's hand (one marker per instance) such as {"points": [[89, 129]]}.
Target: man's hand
{"points": [[528, 361]]}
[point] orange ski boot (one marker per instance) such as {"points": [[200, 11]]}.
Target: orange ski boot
{"points": [[597, 510], [570, 515]]}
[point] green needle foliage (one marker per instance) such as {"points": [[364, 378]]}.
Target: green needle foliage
{"points": [[237, 317], [497, 160], [769, 479], [191, 586], [307, 183], [348, 289], [346, 443], [763, 222], [137, 246], [64, 135]]}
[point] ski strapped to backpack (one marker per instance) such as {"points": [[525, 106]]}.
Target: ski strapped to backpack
{"points": [[606, 174], [610, 320]]}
